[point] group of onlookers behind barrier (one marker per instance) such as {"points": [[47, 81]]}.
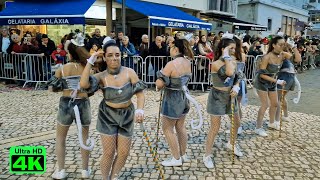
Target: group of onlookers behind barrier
{"points": [[39, 69]]}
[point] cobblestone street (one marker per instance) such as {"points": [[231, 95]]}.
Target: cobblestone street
{"points": [[28, 118]]}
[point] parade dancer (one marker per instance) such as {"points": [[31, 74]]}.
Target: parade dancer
{"points": [[67, 79], [266, 82], [288, 74], [240, 58], [175, 105], [225, 88], [116, 111]]}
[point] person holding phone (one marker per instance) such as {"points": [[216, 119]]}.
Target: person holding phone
{"points": [[255, 49]]}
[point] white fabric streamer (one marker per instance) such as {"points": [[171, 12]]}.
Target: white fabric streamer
{"points": [[255, 92], [297, 99], [193, 101], [89, 141]]}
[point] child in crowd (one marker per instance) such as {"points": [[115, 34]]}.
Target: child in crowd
{"points": [[59, 55]]}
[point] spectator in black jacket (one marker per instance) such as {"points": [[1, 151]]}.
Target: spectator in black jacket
{"points": [[47, 46], [119, 39], [157, 48], [96, 39], [144, 46]]}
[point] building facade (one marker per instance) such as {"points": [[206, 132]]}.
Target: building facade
{"points": [[277, 15], [314, 12], [206, 9]]}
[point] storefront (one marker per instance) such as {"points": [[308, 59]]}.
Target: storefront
{"points": [[163, 19], [52, 18]]}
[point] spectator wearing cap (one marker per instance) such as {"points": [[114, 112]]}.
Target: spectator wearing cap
{"points": [[47, 46], [59, 55]]}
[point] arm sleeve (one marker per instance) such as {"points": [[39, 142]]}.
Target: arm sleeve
{"points": [[94, 85], [139, 86], [164, 78], [57, 84]]}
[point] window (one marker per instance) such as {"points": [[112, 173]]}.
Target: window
{"points": [[269, 24], [219, 24], [284, 24], [313, 1]]}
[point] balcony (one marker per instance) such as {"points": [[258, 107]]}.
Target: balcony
{"points": [[226, 7]]}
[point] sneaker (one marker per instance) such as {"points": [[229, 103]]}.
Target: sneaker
{"points": [[172, 162], [261, 132], [59, 174], [86, 173], [185, 158], [208, 161], [284, 118], [237, 150], [239, 131], [275, 125]]}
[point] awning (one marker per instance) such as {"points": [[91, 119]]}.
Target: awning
{"points": [[45, 12], [167, 16], [241, 25]]}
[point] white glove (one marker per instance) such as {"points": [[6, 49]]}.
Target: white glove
{"points": [[236, 89], [280, 82], [139, 111], [226, 55], [93, 58]]}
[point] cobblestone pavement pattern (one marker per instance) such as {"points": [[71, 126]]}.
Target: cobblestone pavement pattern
{"points": [[28, 118]]}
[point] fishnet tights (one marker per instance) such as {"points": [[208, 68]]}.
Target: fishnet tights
{"points": [[115, 152], [61, 135], [177, 142], [214, 129]]}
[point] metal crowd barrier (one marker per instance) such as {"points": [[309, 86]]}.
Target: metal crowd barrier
{"points": [[135, 63], [250, 67], [38, 69], [12, 66], [151, 65], [200, 72]]}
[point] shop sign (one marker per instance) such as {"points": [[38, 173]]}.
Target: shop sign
{"points": [[30, 21], [42, 21], [176, 24]]}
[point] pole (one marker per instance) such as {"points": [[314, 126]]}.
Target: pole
{"points": [[109, 16], [124, 17], [149, 33]]}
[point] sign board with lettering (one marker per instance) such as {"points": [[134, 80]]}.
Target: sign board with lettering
{"points": [[180, 24], [42, 21], [250, 28]]}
